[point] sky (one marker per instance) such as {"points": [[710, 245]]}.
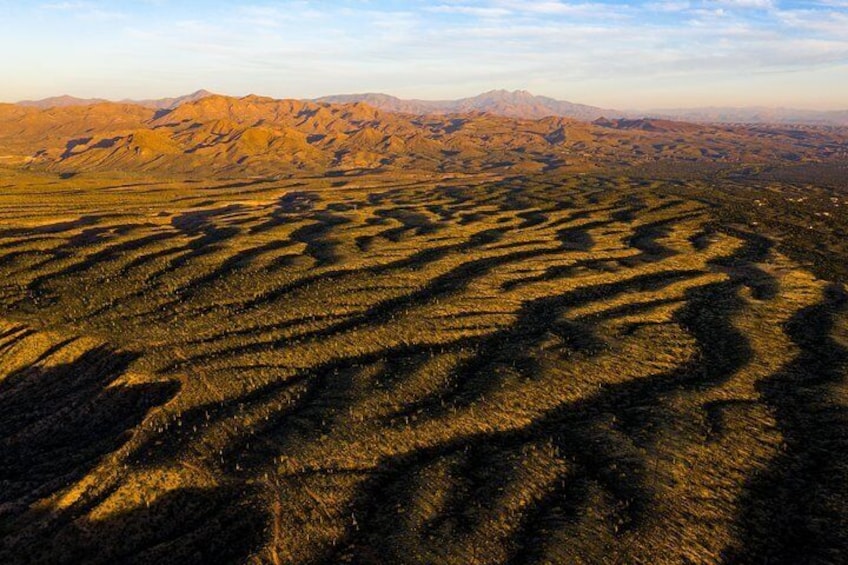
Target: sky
{"points": [[618, 54]]}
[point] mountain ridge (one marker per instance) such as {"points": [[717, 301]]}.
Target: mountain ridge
{"points": [[513, 104], [66, 100]]}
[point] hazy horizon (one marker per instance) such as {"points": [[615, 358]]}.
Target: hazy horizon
{"points": [[623, 55]]}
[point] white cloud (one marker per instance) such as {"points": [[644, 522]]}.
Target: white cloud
{"points": [[670, 6], [477, 11], [761, 4], [85, 11], [301, 48]]}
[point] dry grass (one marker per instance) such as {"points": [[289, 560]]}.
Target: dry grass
{"points": [[388, 369]]}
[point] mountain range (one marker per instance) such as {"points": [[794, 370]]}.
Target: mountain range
{"points": [[755, 115], [158, 103], [254, 135], [523, 104], [514, 104]]}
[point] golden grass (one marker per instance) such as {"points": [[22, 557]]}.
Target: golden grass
{"points": [[385, 369]]}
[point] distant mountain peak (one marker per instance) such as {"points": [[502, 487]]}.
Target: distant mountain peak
{"points": [[500, 102], [61, 101], [66, 100], [507, 94]]}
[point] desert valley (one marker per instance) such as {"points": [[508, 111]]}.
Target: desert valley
{"points": [[257, 330]]}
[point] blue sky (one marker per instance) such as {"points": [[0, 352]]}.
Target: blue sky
{"points": [[620, 54]]}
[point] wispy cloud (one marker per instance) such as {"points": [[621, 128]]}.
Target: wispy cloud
{"points": [[475, 11], [302, 47], [85, 11], [669, 6], [759, 4]]}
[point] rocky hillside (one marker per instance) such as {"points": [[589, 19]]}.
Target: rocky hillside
{"points": [[264, 136]]}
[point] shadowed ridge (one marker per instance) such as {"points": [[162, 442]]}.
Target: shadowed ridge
{"points": [[185, 526], [60, 421], [477, 369], [797, 510]]}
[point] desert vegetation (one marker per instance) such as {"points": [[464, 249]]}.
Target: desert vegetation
{"points": [[640, 363]]}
